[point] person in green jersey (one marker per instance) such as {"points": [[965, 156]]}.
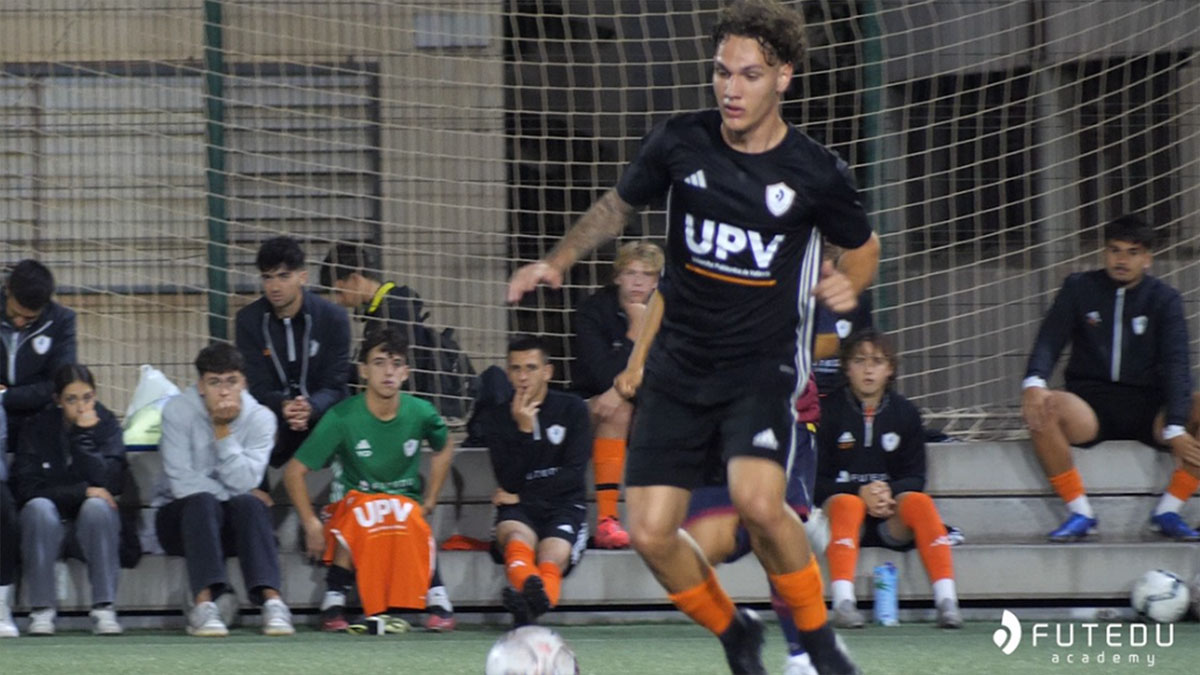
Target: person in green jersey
{"points": [[372, 441]]}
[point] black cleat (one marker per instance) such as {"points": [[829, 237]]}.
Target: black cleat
{"points": [[535, 597], [743, 643], [515, 603], [828, 654]]}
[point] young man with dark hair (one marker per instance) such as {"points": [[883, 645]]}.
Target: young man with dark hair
{"points": [[216, 440], [37, 337], [1128, 378], [296, 346], [539, 444], [749, 198], [375, 532], [871, 479]]}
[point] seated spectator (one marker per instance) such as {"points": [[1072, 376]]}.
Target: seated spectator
{"points": [[66, 476], [606, 324], [296, 346], [373, 441], [216, 440], [870, 477], [43, 333], [9, 538], [1128, 378], [538, 443]]}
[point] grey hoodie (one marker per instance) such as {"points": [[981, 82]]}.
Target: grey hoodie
{"points": [[195, 461]]}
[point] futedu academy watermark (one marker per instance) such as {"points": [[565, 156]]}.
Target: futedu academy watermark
{"points": [[1118, 644]]}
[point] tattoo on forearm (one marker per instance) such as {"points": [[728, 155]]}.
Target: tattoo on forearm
{"points": [[604, 220]]}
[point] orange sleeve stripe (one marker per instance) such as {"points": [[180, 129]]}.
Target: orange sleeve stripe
{"points": [[726, 278]]}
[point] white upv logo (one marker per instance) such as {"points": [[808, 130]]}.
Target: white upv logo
{"points": [[1008, 636]]}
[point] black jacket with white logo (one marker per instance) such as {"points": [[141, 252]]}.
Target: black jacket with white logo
{"points": [[549, 465], [309, 356], [1147, 347], [854, 449], [29, 358]]}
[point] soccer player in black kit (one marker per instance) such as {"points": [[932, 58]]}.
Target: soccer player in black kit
{"points": [[748, 200]]}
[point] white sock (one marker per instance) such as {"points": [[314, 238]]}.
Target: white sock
{"points": [[1082, 506], [333, 599], [437, 595], [943, 589], [4, 594], [1168, 504], [842, 590]]}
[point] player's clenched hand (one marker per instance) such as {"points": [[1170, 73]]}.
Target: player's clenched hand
{"points": [[524, 410], [628, 381], [877, 495], [1033, 406], [314, 538], [1186, 449], [502, 497], [834, 290], [527, 278]]}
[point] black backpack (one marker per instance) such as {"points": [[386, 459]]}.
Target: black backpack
{"points": [[441, 372]]}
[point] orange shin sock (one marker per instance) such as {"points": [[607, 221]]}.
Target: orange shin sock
{"points": [[608, 461], [918, 512], [1068, 485], [518, 562], [801, 590], [552, 580], [707, 604], [846, 513], [1183, 485]]}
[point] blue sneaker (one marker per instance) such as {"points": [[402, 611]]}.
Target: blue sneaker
{"points": [[1170, 524], [1075, 528]]}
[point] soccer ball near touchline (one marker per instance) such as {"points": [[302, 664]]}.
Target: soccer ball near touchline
{"points": [[531, 650], [1160, 596]]}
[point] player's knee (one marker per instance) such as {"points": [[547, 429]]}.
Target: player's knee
{"points": [[760, 510], [650, 542], [622, 417]]}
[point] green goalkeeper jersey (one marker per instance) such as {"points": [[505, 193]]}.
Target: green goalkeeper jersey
{"points": [[370, 455]]}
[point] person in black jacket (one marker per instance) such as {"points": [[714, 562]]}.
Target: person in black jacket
{"points": [[606, 325], [1128, 378], [296, 346], [871, 477], [37, 337], [539, 443], [67, 477]]}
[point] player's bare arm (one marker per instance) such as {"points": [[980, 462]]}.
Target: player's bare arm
{"points": [[314, 533], [628, 380], [604, 220], [840, 286], [439, 468]]}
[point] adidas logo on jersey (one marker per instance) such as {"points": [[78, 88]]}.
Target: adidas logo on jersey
{"points": [[363, 449], [845, 441], [697, 180], [765, 439]]}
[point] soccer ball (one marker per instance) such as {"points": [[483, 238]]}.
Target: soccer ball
{"points": [[531, 650], [1160, 596]]}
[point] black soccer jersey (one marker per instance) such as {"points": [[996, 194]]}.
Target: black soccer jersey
{"points": [[854, 448], [743, 253]]}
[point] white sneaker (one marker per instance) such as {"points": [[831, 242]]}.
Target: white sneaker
{"points": [[227, 607], [799, 665], [41, 621], [948, 615], [846, 615], [276, 618], [104, 621], [205, 621], [8, 627]]}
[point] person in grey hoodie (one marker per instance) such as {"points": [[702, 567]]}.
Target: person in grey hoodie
{"points": [[215, 444]]}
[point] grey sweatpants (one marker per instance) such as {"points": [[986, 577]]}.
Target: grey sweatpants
{"points": [[95, 535]]}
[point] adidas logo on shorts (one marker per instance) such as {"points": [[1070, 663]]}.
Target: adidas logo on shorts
{"points": [[765, 439]]}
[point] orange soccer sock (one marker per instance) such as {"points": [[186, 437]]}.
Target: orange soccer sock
{"points": [[608, 461], [552, 580], [707, 604], [1068, 485], [518, 562], [846, 513], [918, 512], [801, 590], [1183, 485]]}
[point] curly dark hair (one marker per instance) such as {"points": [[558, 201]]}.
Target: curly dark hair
{"points": [[779, 29]]}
